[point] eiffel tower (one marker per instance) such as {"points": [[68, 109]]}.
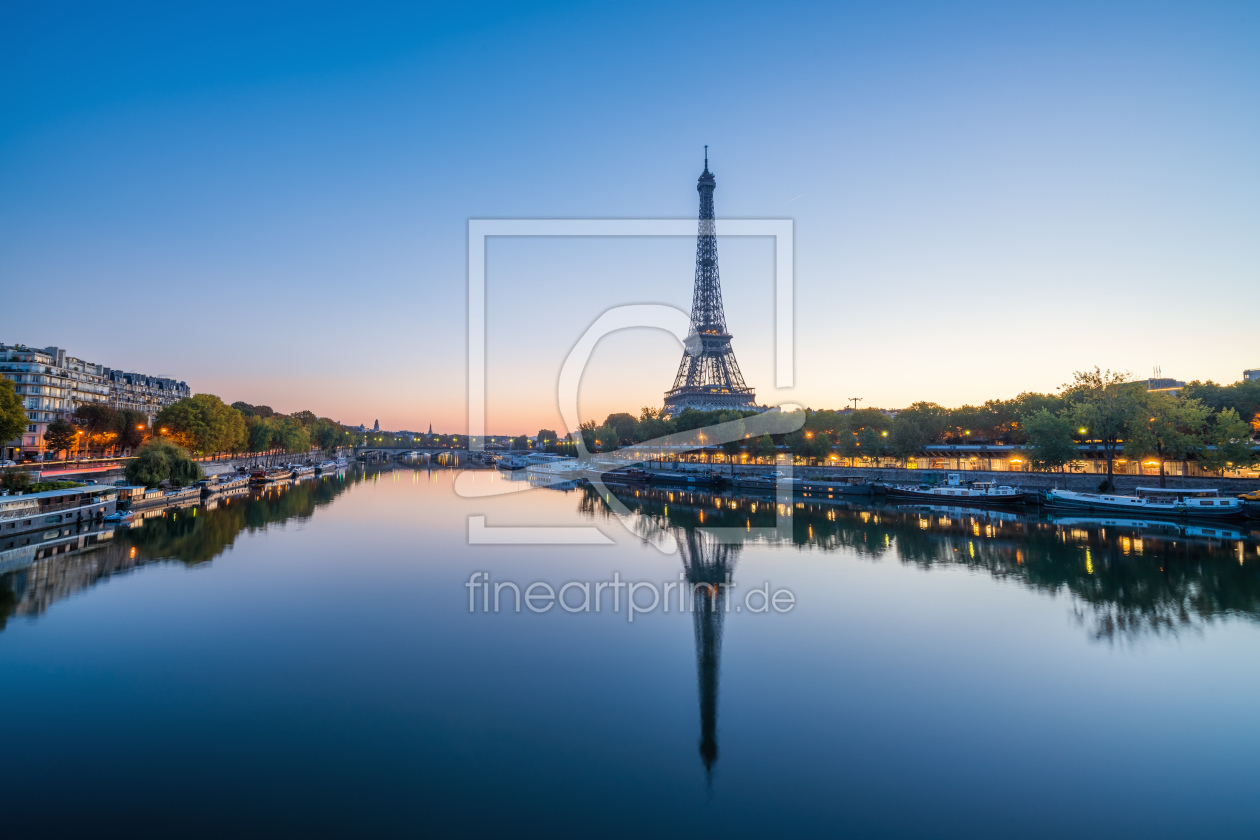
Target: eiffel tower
{"points": [[708, 376]]}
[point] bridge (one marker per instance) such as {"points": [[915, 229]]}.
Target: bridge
{"points": [[373, 453]]}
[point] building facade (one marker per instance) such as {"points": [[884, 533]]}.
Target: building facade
{"points": [[52, 384]]}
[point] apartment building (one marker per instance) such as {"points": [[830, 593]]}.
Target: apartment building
{"points": [[52, 384]]}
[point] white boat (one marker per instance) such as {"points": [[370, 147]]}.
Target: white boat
{"points": [[325, 467], [511, 463], [554, 469], [975, 493], [302, 469], [1152, 501]]}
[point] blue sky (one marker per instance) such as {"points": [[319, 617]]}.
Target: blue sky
{"points": [[272, 204]]}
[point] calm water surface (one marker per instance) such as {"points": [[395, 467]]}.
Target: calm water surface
{"points": [[305, 663]]}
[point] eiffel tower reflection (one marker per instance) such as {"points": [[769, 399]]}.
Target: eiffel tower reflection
{"points": [[708, 564]]}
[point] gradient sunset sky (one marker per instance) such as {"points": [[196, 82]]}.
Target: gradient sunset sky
{"points": [[272, 204]]}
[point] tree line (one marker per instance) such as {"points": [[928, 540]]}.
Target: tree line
{"points": [[1209, 423], [201, 424]]}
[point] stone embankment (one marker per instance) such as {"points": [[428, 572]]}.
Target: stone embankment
{"points": [[1085, 482]]}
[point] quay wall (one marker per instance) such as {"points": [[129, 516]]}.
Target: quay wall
{"points": [[1027, 480]]}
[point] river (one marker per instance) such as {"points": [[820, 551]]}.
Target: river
{"points": [[329, 658]]}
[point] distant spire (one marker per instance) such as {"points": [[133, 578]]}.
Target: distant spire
{"points": [[706, 158]]}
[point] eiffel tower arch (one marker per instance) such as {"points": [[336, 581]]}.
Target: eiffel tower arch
{"points": [[708, 376]]}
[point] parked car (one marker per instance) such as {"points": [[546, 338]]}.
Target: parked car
{"points": [[7, 463]]}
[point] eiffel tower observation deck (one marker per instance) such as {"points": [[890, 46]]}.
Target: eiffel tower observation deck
{"points": [[708, 376]]}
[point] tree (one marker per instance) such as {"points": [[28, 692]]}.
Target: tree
{"points": [[1231, 440], [731, 448], [811, 446], [907, 437], [608, 437], [1103, 403], [873, 443], [627, 427], [59, 436], [204, 424], [764, 448], [587, 431], [930, 419], [547, 439], [12, 413], [1243, 396], [1048, 442], [651, 425], [257, 434], [329, 435], [1168, 427], [131, 426], [97, 420], [161, 460], [288, 434], [1029, 403], [15, 480]]}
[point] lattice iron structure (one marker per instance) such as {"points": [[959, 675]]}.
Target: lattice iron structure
{"points": [[708, 376]]}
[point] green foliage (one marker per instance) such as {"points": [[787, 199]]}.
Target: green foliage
{"points": [[1243, 397], [131, 426], [608, 437], [1231, 437], [288, 434], [1167, 426], [15, 480], [908, 434], [763, 448], [99, 423], [259, 411], [257, 434], [329, 435], [59, 436], [734, 423], [41, 486], [1048, 441], [158, 460], [1105, 404], [929, 422], [547, 440], [810, 445], [625, 424], [203, 424], [587, 431], [12, 414]]}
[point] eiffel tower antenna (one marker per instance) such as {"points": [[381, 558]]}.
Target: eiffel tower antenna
{"points": [[708, 376]]}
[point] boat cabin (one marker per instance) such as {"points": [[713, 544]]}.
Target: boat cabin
{"points": [[1192, 499], [1178, 492]]}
